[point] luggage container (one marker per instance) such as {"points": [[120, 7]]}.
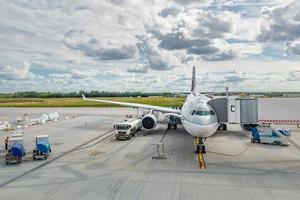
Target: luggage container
{"points": [[42, 148], [16, 151], [16, 135]]}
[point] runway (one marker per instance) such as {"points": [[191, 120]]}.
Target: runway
{"points": [[88, 163]]}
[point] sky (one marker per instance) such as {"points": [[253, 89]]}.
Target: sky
{"points": [[149, 45]]}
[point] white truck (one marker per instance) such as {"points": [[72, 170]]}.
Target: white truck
{"points": [[127, 128]]}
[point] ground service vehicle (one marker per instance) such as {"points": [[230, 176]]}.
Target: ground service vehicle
{"points": [[42, 148], [127, 129], [270, 135], [15, 151]]}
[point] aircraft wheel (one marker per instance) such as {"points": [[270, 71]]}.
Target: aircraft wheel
{"points": [[169, 126], [248, 127], [175, 126]]}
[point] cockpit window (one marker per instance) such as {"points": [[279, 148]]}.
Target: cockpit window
{"points": [[203, 113]]}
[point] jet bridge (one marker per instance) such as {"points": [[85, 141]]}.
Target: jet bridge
{"points": [[220, 107], [250, 112]]}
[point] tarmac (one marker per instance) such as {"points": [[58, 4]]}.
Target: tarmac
{"points": [[88, 163]]}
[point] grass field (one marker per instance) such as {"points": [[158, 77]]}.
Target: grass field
{"points": [[78, 102]]}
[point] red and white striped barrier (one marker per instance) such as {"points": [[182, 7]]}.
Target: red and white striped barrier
{"points": [[272, 121]]}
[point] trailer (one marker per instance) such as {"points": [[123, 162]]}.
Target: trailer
{"points": [[42, 148], [127, 128], [15, 151], [251, 112]]}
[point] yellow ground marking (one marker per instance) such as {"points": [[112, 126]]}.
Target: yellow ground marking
{"points": [[202, 164]]}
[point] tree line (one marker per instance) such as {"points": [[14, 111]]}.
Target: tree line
{"points": [[96, 93], [93, 93]]}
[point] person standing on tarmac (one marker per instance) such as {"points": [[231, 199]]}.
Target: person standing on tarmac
{"points": [[6, 142]]}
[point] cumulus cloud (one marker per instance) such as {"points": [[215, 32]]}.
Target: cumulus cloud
{"points": [[169, 11], [103, 44], [157, 58], [16, 73], [92, 47], [281, 23], [199, 32]]}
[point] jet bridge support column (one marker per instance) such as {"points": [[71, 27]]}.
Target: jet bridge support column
{"points": [[160, 146]]}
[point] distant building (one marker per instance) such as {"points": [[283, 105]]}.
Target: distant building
{"points": [[257, 95], [293, 95]]}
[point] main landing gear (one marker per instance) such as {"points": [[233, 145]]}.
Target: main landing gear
{"points": [[200, 147], [173, 123]]}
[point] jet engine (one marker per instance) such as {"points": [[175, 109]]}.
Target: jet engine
{"points": [[149, 121]]}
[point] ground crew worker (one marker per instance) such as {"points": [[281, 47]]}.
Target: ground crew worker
{"points": [[6, 142]]}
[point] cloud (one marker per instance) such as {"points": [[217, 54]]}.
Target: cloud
{"points": [[74, 45], [280, 23], [138, 69], [83, 74], [169, 11], [16, 73], [235, 78], [294, 76], [176, 41], [185, 2], [61, 76], [157, 58], [292, 48], [92, 47], [198, 32], [39, 4]]}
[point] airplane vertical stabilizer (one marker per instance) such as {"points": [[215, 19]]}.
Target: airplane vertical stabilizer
{"points": [[193, 89]]}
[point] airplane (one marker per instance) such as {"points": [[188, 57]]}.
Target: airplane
{"points": [[198, 118]]}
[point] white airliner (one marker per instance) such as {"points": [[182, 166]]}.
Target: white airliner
{"points": [[197, 116]]}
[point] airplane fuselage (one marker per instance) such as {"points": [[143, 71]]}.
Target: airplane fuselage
{"points": [[198, 117]]}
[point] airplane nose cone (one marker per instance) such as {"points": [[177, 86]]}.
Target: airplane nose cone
{"points": [[198, 130]]}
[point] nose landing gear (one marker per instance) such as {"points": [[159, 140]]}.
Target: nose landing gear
{"points": [[200, 147], [200, 150]]}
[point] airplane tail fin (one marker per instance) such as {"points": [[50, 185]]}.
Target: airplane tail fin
{"points": [[193, 89]]}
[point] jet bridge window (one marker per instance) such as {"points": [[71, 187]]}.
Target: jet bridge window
{"points": [[232, 108]]}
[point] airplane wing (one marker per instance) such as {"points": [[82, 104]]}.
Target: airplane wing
{"points": [[136, 105]]}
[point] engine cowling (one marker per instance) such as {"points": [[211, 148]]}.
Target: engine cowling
{"points": [[149, 121]]}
